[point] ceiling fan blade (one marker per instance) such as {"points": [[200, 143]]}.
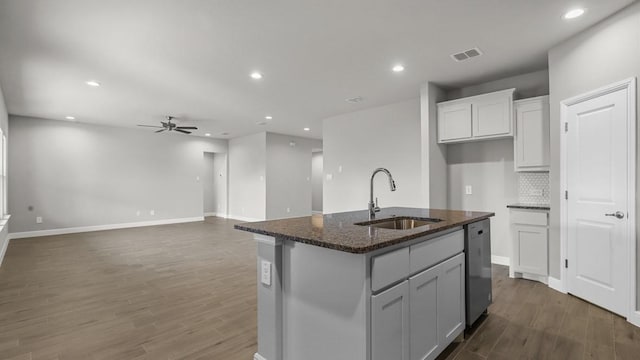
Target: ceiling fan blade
{"points": [[187, 127], [182, 131], [154, 126], [161, 130]]}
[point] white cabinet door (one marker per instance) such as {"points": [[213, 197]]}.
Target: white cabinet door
{"points": [[424, 301], [492, 116], [532, 134], [451, 314], [390, 323], [530, 249], [454, 122]]}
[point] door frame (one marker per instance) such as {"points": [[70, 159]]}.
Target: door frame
{"points": [[633, 315]]}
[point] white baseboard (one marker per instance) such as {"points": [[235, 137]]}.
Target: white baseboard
{"points": [[257, 356], [243, 218], [3, 250], [556, 284], [316, 212], [73, 230], [210, 214], [500, 260], [634, 318]]}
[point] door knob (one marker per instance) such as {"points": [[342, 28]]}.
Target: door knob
{"points": [[618, 214]]}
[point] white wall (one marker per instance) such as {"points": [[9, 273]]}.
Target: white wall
{"points": [[247, 171], [4, 125], [527, 85], [488, 167], [77, 175], [316, 181], [289, 175], [433, 155], [604, 54], [361, 141], [267, 176]]}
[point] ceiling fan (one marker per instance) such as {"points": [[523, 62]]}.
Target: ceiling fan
{"points": [[169, 126]]}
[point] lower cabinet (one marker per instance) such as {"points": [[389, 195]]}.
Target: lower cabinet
{"points": [[424, 289], [451, 319], [530, 249], [390, 323], [530, 243], [421, 316]]}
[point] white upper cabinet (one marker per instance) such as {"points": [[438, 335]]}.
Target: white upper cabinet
{"points": [[482, 117], [454, 122], [531, 145]]}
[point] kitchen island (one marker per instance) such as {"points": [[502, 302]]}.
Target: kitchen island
{"points": [[342, 286]]}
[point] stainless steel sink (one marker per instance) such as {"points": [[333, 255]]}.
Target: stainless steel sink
{"points": [[400, 223]]}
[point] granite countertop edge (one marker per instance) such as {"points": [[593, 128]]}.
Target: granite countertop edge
{"points": [[529, 206], [401, 237]]}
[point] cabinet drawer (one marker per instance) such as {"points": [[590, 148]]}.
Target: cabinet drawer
{"points": [[433, 251], [530, 217], [389, 268]]}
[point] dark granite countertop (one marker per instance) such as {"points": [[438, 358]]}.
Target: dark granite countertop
{"points": [[529, 206], [337, 231]]}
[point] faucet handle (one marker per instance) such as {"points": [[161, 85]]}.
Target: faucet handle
{"points": [[376, 208]]}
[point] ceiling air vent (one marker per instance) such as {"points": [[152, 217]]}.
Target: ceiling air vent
{"points": [[466, 55]]}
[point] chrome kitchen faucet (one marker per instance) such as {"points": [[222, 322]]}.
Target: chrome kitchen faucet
{"points": [[373, 207]]}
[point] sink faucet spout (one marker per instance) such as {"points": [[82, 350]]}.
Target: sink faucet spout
{"points": [[373, 206]]}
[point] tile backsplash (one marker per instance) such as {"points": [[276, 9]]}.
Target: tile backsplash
{"points": [[533, 188]]}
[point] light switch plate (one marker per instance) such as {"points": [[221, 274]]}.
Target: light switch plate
{"points": [[265, 277], [468, 190]]}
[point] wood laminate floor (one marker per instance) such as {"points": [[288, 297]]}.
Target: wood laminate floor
{"points": [[187, 291]]}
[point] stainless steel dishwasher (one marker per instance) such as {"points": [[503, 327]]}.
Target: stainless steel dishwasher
{"points": [[477, 245]]}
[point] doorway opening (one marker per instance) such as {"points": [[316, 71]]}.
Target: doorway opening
{"points": [[214, 184], [316, 181]]}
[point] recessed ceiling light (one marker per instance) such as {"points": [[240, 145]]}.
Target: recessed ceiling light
{"points": [[398, 68], [207, 134], [70, 117], [306, 129], [268, 117], [256, 75], [224, 134], [574, 13], [93, 83]]}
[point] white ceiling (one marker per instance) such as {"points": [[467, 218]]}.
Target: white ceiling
{"points": [[192, 58]]}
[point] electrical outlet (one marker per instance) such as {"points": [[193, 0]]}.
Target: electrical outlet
{"points": [[152, 212], [288, 210], [329, 177], [468, 190], [265, 273], [138, 213], [38, 219], [197, 178], [340, 169]]}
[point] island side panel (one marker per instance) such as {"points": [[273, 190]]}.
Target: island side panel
{"points": [[269, 299], [325, 303]]}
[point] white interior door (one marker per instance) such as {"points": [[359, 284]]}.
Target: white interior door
{"points": [[597, 205]]}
